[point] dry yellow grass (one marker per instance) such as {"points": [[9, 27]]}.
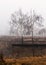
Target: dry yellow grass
{"points": [[27, 61]]}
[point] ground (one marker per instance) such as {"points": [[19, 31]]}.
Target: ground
{"points": [[26, 61]]}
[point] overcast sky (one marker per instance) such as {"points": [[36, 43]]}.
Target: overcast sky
{"points": [[7, 7]]}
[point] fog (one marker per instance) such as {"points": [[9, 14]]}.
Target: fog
{"points": [[7, 7]]}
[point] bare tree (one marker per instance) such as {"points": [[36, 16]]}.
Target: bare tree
{"points": [[38, 20], [23, 24]]}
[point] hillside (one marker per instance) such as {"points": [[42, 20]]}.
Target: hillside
{"points": [[8, 50]]}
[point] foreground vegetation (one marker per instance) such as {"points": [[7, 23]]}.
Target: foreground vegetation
{"points": [[24, 61]]}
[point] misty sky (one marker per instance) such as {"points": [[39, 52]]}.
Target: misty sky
{"points": [[7, 7]]}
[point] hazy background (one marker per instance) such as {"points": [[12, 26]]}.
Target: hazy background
{"points": [[7, 7]]}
